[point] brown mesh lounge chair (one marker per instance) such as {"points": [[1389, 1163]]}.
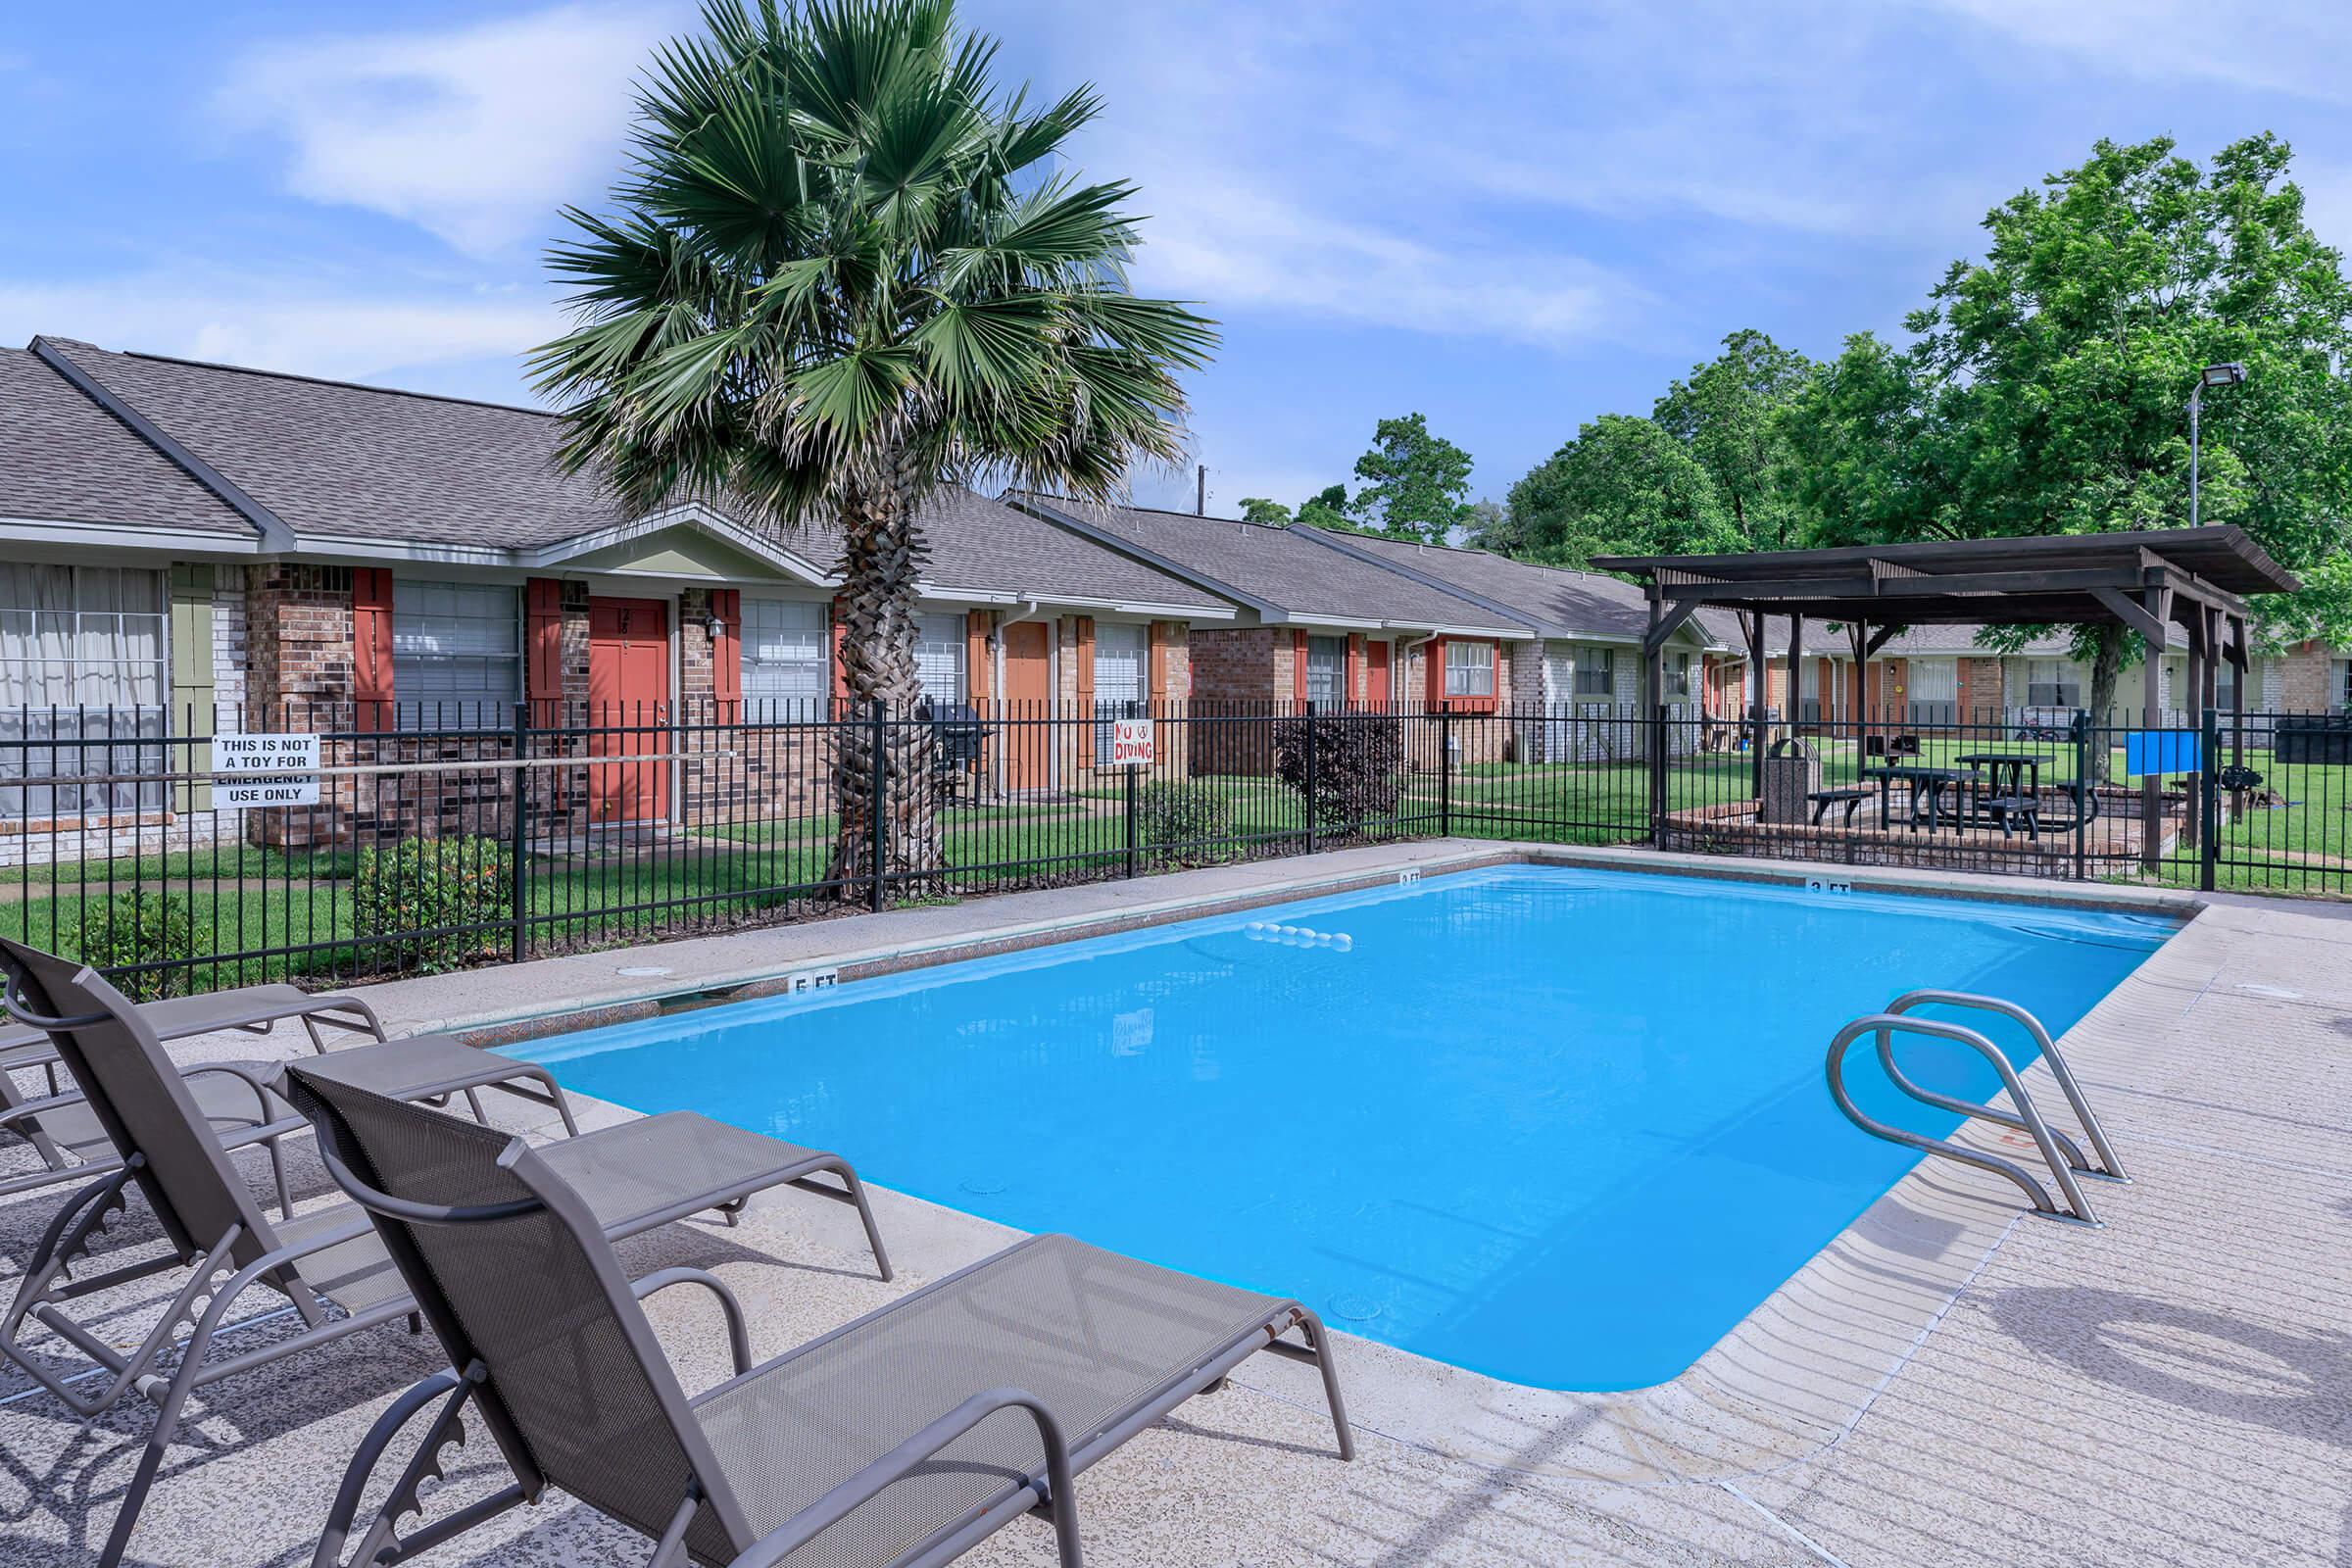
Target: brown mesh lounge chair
{"points": [[67, 1134], [631, 1178], [901, 1440]]}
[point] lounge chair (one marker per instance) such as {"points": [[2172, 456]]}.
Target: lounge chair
{"points": [[901, 1440], [75, 1145], [67, 1134], [631, 1178]]}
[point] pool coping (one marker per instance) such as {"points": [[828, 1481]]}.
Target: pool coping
{"points": [[1784, 1383]]}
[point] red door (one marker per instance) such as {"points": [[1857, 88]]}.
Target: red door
{"points": [[1028, 706], [628, 708], [1376, 674]]}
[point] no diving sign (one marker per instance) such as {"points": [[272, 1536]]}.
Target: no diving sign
{"points": [[255, 770], [1131, 743]]}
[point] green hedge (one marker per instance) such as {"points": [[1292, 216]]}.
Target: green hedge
{"points": [[403, 895]]}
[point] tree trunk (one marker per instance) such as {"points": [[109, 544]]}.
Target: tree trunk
{"points": [[2106, 666], [881, 565]]}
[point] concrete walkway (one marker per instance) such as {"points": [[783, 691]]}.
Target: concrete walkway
{"points": [[1949, 1383]]}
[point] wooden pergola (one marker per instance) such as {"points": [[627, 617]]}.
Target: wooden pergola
{"points": [[2157, 582]]}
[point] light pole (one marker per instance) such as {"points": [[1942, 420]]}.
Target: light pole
{"points": [[2229, 374]]}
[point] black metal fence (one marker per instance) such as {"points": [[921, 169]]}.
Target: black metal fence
{"points": [[432, 838]]}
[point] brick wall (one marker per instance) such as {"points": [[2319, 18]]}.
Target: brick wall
{"points": [[1240, 665], [2305, 679]]}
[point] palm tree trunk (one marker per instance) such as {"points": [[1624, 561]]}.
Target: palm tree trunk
{"points": [[881, 567]]}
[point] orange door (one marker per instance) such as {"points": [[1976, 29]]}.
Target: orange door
{"points": [[1376, 674], [628, 706], [1028, 704]]}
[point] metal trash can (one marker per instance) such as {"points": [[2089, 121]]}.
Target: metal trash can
{"points": [[1791, 772]]}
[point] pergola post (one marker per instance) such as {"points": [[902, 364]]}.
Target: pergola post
{"points": [[2151, 785], [1796, 678], [1752, 626], [2197, 678], [1858, 634]]}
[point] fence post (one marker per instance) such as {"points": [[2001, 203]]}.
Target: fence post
{"points": [[2209, 806], [1444, 773], [518, 856], [879, 849], [1134, 847], [1310, 776]]}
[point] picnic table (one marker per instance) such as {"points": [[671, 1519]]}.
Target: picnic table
{"points": [[2008, 788], [1927, 785]]}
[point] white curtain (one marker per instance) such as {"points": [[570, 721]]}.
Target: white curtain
{"points": [[82, 670]]}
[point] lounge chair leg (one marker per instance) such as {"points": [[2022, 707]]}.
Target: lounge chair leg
{"points": [[1319, 1340], [473, 1101], [866, 1216], [277, 1173]]}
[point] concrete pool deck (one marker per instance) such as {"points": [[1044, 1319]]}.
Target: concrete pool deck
{"points": [[1948, 1382]]}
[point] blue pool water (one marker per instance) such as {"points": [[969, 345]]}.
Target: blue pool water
{"points": [[1564, 1127]]}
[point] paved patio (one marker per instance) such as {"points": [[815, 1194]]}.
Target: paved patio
{"points": [[1949, 1383]]}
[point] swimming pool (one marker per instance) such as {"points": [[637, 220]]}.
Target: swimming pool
{"points": [[1565, 1127]]}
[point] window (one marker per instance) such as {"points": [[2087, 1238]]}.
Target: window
{"points": [[1327, 672], [457, 654], [785, 671], [82, 660], [1678, 677], [939, 658], [2340, 687], [2053, 683], [1469, 670], [1120, 653], [1597, 673]]}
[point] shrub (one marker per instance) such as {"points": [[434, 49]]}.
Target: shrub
{"points": [[404, 894], [1184, 824], [1360, 766], [130, 928]]}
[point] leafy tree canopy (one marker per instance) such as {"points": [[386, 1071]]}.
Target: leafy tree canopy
{"points": [[1730, 415], [1264, 513], [1418, 484], [1623, 486], [2046, 388]]}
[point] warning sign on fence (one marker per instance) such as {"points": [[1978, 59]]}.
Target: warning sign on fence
{"points": [[253, 770], [1131, 743]]}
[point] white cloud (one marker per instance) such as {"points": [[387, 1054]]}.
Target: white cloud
{"points": [[477, 134], [2274, 47], [283, 324]]}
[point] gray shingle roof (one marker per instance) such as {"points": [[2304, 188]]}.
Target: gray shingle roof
{"points": [[63, 459], [335, 461], [1558, 601], [1300, 580], [354, 461]]}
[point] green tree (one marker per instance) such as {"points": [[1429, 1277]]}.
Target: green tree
{"points": [[2046, 388], [1623, 486], [1327, 508], [1730, 415], [1266, 512], [1418, 484], [844, 268], [1491, 526]]}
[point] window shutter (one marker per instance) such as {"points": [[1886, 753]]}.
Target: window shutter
{"points": [[1299, 668], [841, 670], [975, 658], [1433, 671], [1086, 666], [192, 694], [372, 645], [1355, 663], [1159, 662], [543, 646], [726, 653]]}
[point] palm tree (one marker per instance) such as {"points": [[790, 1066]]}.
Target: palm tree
{"points": [[842, 269]]}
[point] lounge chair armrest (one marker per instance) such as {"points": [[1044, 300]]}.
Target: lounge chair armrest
{"points": [[34, 1108], [252, 1079], [901, 1462], [739, 1341]]}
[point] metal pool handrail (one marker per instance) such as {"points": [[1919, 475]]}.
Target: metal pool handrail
{"points": [[1886, 1025], [2109, 1166]]}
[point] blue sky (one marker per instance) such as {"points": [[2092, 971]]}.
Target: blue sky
{"points": [[1510, 218]]}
